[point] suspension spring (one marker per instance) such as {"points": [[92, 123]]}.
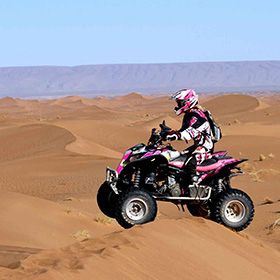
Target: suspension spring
{"points": [[220, 185], [137, 178]]}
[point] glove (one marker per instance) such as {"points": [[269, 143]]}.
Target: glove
{"points": [[163, 134], [173, 135]]}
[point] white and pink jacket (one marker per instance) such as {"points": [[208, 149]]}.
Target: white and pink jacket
{"points": [[196, 126]]}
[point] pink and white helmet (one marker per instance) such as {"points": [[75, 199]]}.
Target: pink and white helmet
{"points": [[186, 99]]}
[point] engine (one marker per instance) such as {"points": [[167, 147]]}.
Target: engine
{"points": [[169, 186], [174, 187]]}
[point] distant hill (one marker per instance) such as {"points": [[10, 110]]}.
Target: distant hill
{"points": [[145, 78]]}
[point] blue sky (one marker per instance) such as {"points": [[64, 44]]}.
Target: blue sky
{"points": [[61, 32]]}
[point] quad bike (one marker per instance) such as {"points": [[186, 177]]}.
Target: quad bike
{"points": [[155, 172]]}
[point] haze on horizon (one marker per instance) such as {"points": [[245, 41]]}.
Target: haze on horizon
{"points": [[115, 32]]}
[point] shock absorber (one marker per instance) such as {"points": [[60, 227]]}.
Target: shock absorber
{"points": [[137, 178], [220, 185]]}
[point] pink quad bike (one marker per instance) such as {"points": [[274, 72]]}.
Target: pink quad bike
{"points": [[155, 172]]}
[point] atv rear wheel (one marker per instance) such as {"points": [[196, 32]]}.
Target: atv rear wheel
{"points": [[234, 209], [135, 207], [106, 200]]}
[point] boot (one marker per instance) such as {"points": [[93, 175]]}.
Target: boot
{"points": [[191, 171]]}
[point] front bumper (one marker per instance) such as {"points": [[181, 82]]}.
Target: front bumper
{"points": [[112, 179]]}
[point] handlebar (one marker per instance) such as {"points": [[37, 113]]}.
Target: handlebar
{"points": [[157, 137], [164, 127]]}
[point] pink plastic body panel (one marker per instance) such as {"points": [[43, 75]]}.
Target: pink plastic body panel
{"points": [[178, 164], [124, 158], [216, 165], [219, 153]]}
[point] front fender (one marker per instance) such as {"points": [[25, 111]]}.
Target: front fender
{"points": [[146, 164]]}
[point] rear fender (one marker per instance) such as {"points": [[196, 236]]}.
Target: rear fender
{"points": [[220, 178], [230, 169]]}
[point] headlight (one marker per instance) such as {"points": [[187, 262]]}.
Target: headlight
{"points": [[133, 158]]}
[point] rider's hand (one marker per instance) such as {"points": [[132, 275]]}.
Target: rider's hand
{"points": [[173, 135], [163, 134]]}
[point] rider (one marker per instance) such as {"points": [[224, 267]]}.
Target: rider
{"points": [[195, 126]]}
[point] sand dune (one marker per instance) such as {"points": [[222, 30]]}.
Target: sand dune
{"points": [[30, 140], [113, 135], [7, 102], [74, 104], [193, 248], [66, 100], [53, 155], [133, 97], [38, 223], [231, 104], [86, 147], [154, 123]]}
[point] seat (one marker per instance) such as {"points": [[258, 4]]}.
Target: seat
{"points": [[209, 161], [210, 164], [179, 161], [180, 158]]}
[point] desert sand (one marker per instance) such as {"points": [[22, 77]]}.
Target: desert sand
{"points": [[53, 155]]}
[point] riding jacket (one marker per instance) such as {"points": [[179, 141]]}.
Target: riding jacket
{"points": [[196, 126]]}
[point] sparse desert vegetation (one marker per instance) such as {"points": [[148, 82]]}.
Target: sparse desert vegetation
{"points": [[267, 200], [274, 226], [102, 219]]}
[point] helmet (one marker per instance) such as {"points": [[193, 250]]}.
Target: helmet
{"points": [[186, 99]]}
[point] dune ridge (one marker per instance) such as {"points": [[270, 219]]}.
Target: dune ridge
{"points": [[29, 140]]}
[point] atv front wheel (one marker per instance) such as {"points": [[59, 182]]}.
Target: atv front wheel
{"points": [[135, 207], [106, 200], [234, 209]]}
